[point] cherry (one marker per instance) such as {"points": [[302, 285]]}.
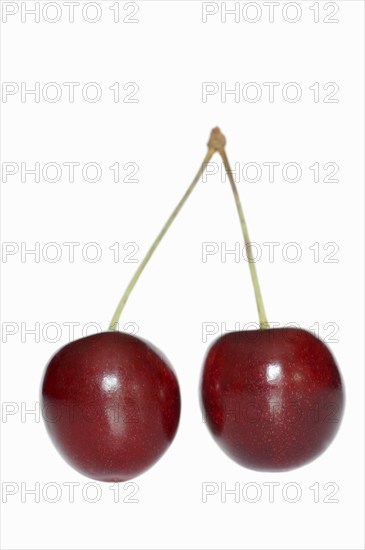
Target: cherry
{"points": [[111, 401], [273, 399], [112, 405]]}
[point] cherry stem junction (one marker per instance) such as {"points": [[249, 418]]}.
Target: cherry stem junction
{"points": [[114, 322]]}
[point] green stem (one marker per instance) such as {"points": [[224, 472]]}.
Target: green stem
{"points": [[123, 300], [251, 262]]}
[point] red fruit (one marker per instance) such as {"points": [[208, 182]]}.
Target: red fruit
{"points": [[273, 399], [111, 404]]}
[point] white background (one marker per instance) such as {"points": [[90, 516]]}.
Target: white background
{"points": [[169, 53]]}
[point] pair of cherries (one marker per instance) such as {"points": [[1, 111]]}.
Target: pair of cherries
{"points": [[273, 398]]}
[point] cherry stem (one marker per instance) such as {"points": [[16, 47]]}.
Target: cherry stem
{"points": [[251, 262], [211, 150]]}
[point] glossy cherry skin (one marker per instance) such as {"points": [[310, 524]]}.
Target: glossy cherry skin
{"points": [[111, 405], [273, 399]]}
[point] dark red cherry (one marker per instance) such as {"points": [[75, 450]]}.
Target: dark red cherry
{"points": [[111, 404], [273, 399]]}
